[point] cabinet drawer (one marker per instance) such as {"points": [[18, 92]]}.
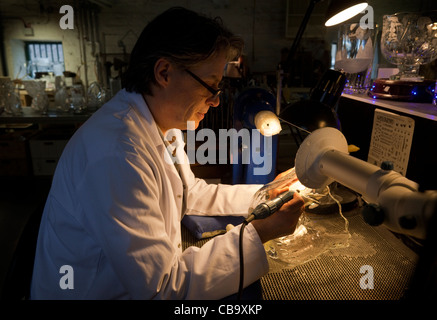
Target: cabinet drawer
{"points": [[44, 167], [47, 148]]}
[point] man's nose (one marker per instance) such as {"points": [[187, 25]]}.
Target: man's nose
{"points": [[214, 101]]}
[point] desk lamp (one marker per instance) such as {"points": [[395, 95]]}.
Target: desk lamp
{"points": [[338, 11], [255, 108], [342, 10], [319, 110]]}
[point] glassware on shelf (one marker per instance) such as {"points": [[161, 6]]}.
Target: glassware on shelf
{"points": [[36, 89], [355, 56], [96, 96], [409, 39], [77, 100], [9, 99], [62, 99], [14, 103]]}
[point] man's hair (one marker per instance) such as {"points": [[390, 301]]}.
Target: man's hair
{"points": [[185, 38]]}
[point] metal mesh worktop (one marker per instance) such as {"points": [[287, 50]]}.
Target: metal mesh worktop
{"points": [[335, 274]]}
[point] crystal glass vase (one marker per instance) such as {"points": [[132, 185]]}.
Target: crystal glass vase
{"points": [[9, 98], [36, 89], [408, 40], [96, 96], [355, 56]]}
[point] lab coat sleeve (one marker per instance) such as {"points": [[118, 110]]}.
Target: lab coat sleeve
{"points": [[216, 199], [220, 199], [205, 199], [215, 266], [121, 209]]}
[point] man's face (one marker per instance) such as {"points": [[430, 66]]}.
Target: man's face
{"points": [[191, 100]]}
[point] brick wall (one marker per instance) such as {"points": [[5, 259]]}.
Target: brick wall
{"points": [[261, 23]]}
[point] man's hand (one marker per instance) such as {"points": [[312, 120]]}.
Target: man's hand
{"points": [[284, 221], [283, 186], [283, 174]]}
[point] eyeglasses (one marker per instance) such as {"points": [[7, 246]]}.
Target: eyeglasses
{"points": [[215, 93]]}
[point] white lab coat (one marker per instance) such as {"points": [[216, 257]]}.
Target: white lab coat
{"points": [[113, 218]]}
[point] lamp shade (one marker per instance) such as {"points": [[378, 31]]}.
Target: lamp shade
{"points": [[267, 123], [318, 111], [341, 10]]}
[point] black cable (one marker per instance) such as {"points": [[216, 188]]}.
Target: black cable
{"points": [[261, 211], [240, 287]]}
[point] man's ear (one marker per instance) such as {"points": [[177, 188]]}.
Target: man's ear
{"points": [[162, 68]]}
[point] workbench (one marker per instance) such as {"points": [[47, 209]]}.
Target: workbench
{"points": [[336, 273]]}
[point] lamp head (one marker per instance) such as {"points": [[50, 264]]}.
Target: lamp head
{"points": [[267, 123], [342, 10], [254, 110]]}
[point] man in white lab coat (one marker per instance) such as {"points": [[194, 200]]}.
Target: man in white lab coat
{"points": [[111, 227]]}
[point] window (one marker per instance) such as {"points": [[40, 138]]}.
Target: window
{"points": [[44, 57]]}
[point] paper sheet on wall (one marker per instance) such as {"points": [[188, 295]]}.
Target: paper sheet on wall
{"points": [[392, 136]]}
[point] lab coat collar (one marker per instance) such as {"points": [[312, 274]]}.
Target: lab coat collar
{"points": [[137, 102]]}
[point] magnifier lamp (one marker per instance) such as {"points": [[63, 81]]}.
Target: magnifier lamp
{"points": [[392, 199]]}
